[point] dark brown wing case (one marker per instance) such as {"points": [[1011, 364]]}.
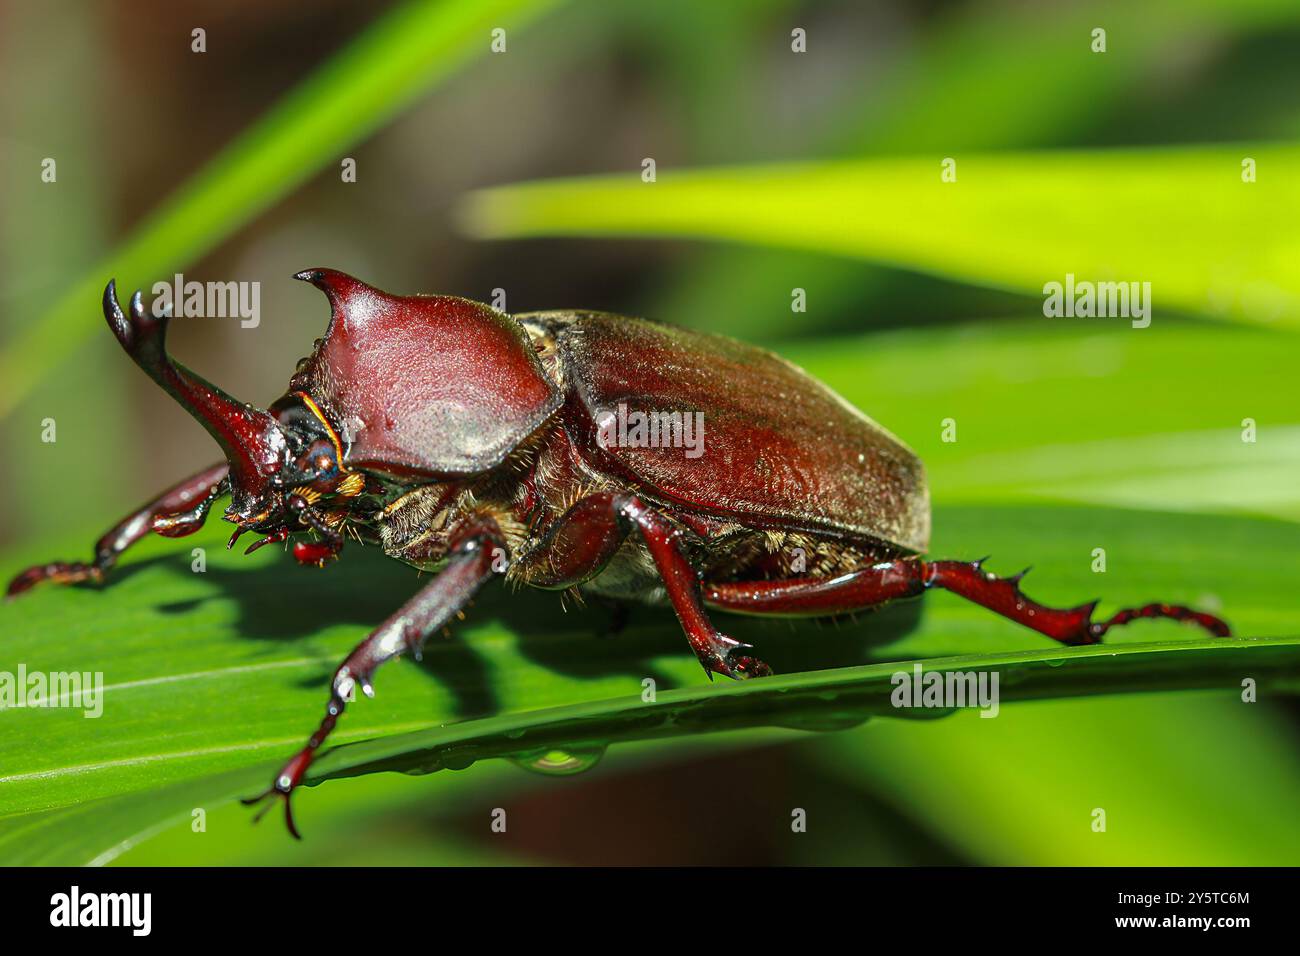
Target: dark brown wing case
{"points": [[424, 385], [778, 444]]}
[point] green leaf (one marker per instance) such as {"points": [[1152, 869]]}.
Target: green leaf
{"points": [[404, 53], [1180, 218], [971, 81], [213, 679], [1183, 779]]}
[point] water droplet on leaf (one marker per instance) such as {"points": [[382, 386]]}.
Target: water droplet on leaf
{"points": [[561, 762]]}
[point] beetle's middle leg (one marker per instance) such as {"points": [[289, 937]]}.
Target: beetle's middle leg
{"points": [[583, 540], [469, 565], [891, 580]]}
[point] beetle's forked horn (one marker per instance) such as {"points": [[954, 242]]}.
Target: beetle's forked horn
{"points": [[250, 437]]}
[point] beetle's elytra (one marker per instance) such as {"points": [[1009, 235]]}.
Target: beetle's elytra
{"points": [[454, 436]]}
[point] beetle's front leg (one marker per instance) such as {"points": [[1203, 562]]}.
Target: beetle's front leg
{"points": [[583, 540], [178, 511], [470, 564]]}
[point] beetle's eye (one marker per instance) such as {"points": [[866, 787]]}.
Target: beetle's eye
{"points": [[318, 461]]}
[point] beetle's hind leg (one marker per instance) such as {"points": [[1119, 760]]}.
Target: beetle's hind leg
{"points": [[178, 511], [892, 580], [1070, 626]]}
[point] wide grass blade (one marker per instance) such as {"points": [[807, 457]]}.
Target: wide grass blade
{"points": [[1181, 219], [223, 671]]}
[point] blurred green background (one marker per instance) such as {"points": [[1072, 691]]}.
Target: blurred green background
{"points": [[923, 304]]}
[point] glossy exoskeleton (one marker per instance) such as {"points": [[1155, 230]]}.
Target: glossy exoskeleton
{"points": [[473, 443]]}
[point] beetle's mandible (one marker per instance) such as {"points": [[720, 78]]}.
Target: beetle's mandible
{"points": [[466, 441]]}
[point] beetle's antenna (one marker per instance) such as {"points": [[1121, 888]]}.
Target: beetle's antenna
{"points": [[250, 437]]}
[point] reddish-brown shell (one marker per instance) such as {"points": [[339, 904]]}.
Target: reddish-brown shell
{"points": [[423, 385], [780, 448]]}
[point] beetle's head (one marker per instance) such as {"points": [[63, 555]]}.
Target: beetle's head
{"points": [[281, 461]]}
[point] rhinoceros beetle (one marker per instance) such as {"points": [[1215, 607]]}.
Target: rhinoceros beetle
{"points": [[470, 442]]}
